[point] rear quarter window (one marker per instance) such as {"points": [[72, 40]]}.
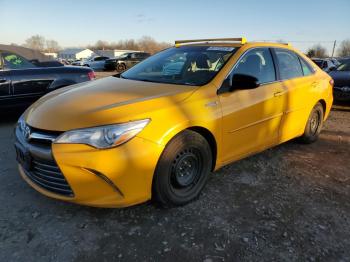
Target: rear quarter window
{"points": [[306, 67], [13, 61]]}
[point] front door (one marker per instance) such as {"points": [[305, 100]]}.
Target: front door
{"points": [[251, 118]]}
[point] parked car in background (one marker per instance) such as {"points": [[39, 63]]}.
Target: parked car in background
{"points": [[23, 81], [78, 62], [341, 77], [125, 61], [96, 62], [326, 64], [335, 61]]}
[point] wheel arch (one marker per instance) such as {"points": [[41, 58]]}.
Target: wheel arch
{"points": [[324, 106], [208, 135]]}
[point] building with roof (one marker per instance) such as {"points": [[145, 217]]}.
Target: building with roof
{"points": [[113, 53], [75, 53]]}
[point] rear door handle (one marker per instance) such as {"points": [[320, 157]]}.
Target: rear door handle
{"points": [[314, 84]]}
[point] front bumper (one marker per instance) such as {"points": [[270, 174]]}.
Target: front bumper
{"points": [[116, 177]]}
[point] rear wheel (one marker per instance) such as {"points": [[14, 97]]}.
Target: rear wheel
{"points": [[313, 125], [182, 170], [120, 68]]}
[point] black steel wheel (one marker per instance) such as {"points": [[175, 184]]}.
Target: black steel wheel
{"points": [[182, 169], [314, 125]]}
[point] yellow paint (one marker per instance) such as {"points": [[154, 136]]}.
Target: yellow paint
{"points": [[242, 122]]}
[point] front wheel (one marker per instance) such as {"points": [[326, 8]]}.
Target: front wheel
{"points": [[182, 170], [313, 125]]}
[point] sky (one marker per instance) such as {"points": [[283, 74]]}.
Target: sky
{"points": [[77, 23]]}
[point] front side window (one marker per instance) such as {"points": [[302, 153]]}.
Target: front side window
{"points": [[288, 63], [257, 63], [13, 61], [186, 65]]}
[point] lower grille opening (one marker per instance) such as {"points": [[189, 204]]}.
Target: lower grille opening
{"points": [[47, 175]]}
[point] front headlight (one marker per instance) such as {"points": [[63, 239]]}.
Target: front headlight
{"points": [[104, 136]]}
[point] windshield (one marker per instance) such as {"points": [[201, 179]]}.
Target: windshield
{"points": [[344, 67], [187, 65]]}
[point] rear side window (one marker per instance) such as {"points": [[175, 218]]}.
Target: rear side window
{"points": [[257, 63], [288, 64], [13, 61]]}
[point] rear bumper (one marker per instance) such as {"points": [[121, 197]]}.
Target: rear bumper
{"points": [[341, 93], [116, 177]]}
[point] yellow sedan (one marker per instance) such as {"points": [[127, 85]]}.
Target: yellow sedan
{"points": [[159, 129]]}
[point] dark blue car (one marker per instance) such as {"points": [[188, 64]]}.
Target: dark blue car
{"points": [[341, 77], [26, 75]]}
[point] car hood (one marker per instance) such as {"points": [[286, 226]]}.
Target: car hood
{"points": [[102, 102]]}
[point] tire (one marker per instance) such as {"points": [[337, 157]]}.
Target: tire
{"points": [[120, 68], [314, 125], [182, 170]]}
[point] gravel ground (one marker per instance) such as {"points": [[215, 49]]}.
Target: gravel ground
{"points": [[289, 203]]}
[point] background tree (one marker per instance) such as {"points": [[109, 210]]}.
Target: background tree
{"points": [[36, 42], [317, 51], [101, 45], [146, 43], [344, 48], [52, 46]]}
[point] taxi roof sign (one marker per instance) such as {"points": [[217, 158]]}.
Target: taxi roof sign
{"points": [[241, 40]]}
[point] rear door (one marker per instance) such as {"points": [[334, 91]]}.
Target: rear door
{"points": [[298, 78], [5, 81]]}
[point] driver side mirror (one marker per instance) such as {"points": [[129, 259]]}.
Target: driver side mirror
{"points": [[239, 82]]}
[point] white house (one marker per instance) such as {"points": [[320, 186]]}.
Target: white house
{"points": [[51, 55], [75, 53], [113, 53]]}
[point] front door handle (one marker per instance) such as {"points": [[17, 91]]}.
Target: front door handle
{"points": [[279, 93], [2, 80]]}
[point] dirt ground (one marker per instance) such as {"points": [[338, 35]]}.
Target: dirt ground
{"points": [[289, 203]]}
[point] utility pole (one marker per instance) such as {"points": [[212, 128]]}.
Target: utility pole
{"points": [[335, 42]]}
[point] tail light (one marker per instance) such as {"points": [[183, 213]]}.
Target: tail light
{"points": [[331, 82], [91, 75]]}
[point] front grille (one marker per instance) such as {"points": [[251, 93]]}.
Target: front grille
{"points": [[47, 175], [35, 156]]}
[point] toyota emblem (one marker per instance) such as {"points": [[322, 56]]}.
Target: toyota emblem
{"points": [[26, 132]]}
